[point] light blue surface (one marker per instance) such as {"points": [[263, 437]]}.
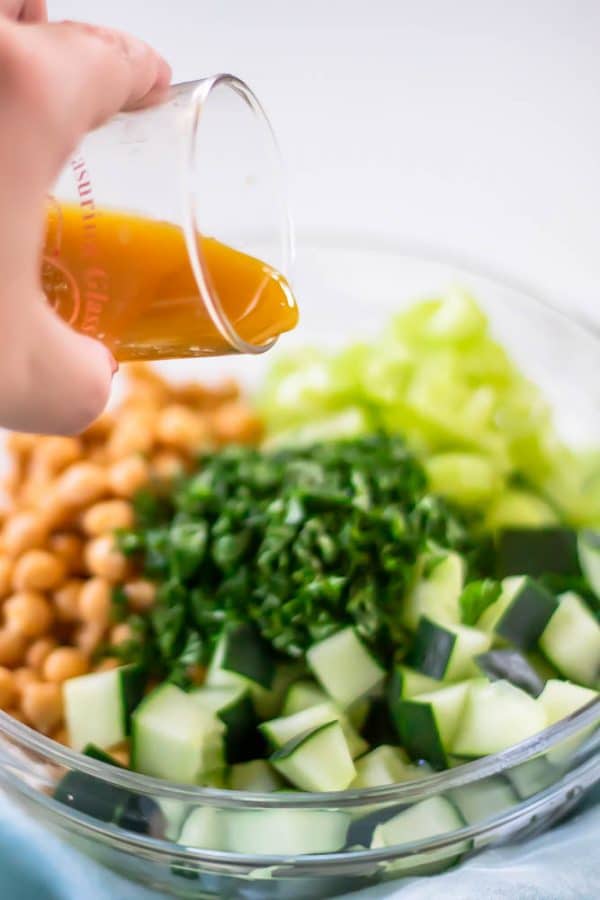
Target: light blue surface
{"points": [[561, 865]]}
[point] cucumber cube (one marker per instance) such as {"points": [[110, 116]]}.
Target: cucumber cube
{"points": [[345, 667], [318, 760], [98, 706]]}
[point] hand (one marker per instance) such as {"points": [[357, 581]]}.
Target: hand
{"points": [[57, 81]]}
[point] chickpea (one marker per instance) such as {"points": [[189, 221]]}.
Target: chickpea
{"points": [[66, 600], [146, 396], [56, 453], [6, 568], [8, 690], [61, 736], [12, 648], [36, 482], [38, 651], [236, 423], [167, 465], [53, 509], [140, 373], [140, 594], [121, 755], [95, 601], [89, 636], [42, 705], [120, 634], [106, 516], [182, 429], [224, 392], [100, 429], [69, 548], [133, 433], [24, 676], [107, 664], [19, 444], [192, 394], [24, 531], [98, 454], [38, 570], [29, 613], [103, 558], [127, 476], [81, 484], [13, 478], [64, 663]]}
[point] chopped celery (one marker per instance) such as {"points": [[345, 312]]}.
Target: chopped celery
{"points": [[437, 376]]}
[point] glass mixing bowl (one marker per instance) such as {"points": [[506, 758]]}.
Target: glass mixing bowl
{"points": [[131, 823]]}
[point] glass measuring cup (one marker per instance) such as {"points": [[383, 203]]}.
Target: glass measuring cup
{"points": [[168, 232]]}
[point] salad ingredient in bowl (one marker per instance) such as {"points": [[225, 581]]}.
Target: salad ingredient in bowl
{"points": [[399, 580]]}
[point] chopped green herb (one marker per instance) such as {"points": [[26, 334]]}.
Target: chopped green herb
{"points": [[300, 542], [476, 598]]}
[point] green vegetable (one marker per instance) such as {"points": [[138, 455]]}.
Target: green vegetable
{"points": [[436, 375], [476, 598], [300, 542]]}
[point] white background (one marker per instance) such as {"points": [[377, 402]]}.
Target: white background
{"points": [[470, 126]]}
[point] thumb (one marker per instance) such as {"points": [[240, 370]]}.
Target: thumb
{"points": [[55, 381]]}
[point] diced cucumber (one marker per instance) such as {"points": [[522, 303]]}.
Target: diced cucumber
{"points": [[174, 812], [98, 706], [520, 613], [95, 752], [436, 589], [532, 776], [384, 765], [173, 737], [510, 665], [279, 731], [537, 551], [110, 803], [235, 709], [447, 651], [571, 640], [496, 716], [359, 711], [379, 726], [344, 666], [542, 665], [318, 760], [268, 703], [257, 776], [302, 695], [407, 682], [242, 659], [588, 548], [426, 819], [143, 815], [560, 699], [137, 812], [517, 508], [204, 828], [484, 799], [286, 831], [427, 723]]}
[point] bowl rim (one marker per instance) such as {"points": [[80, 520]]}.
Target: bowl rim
{"points": [[225, 798], [571, 786]]}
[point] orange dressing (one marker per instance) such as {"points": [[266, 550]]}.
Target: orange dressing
{"points": [[128, 281]]}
